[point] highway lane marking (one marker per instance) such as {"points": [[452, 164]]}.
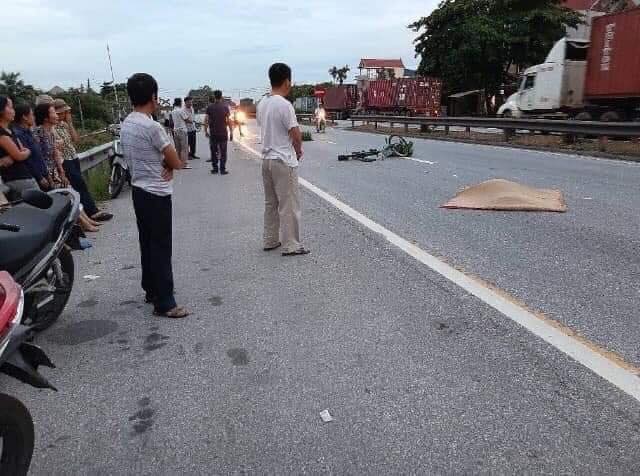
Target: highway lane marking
{"points": [[606, 364], [422, 161]]}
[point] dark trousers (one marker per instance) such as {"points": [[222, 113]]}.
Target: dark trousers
{"points": [[218, 152], [154, 218], [73, 173], [192, 143]]}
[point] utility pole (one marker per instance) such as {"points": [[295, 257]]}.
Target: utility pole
{"points": [[81, 114], [115, 85]]}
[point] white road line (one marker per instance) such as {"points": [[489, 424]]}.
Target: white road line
{"points": [[581, 350], [420, 160]]}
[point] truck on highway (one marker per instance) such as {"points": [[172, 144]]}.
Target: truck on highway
{"points": [[594, 79]]}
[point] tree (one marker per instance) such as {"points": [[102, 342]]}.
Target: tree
{"points": [[11, 85], [333, 72], [342, 73], [476, 44]]}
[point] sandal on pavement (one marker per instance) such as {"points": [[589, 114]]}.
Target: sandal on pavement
{"points": [[300, 252], [175, 313], [271, 248], [102, 216]]}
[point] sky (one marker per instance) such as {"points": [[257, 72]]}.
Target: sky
{"points": [[226, 44]]}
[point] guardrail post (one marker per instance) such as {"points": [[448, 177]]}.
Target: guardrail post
{"points": [[406, 128], [603, 141], [446, 130], [375, 125], [391, 125], [353, 124], [468, 131]]}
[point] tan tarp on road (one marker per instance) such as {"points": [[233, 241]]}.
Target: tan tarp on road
{"points": [[499, 194]]}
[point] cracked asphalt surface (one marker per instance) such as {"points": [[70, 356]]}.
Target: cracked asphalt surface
{"points": [[419, 376]]}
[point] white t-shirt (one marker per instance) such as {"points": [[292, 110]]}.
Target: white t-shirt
{"points": [[179, 115], [276, 117], [143, 140]]}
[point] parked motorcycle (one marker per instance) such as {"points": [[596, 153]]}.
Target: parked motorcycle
{"points": [[20, 360], [120, 173], [37, 234]]}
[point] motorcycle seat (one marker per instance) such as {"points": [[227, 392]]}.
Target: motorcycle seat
{"points": [[37, 229]]}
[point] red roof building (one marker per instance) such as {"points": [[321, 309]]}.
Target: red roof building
{"points": [[381, 68]]}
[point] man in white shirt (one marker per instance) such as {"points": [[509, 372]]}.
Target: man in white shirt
{"points": [[147, 148], [180, 137], [281, 151], [191, 127]]}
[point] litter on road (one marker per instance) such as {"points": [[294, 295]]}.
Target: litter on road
{"points": [[91, 277], [499, 194], [326, 416]]}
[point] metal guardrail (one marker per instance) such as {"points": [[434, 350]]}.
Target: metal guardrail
{"points": [[92, 157], [572, 129]]}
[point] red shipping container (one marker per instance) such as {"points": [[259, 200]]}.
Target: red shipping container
{"points": [[341, 98], [613, 62], [413, 95]]}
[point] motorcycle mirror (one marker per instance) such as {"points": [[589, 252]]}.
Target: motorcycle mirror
{"points": [[37, 198]]}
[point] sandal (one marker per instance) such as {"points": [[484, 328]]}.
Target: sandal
{"points": [[271, 248], [300, 252], [175, 313], [102, 216]]}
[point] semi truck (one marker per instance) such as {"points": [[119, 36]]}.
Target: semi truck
{"points": [[596, 79]]}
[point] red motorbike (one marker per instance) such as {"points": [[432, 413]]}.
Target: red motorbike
{"points": [[20, 360]]}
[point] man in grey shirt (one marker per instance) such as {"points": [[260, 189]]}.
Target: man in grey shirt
{"points": [[147, 148], [180, 136]]}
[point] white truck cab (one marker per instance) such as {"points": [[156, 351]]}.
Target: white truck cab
{"points": [[554, 87]]}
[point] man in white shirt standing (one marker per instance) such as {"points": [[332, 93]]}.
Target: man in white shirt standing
{"points": [[180, 136], [281, 151], [148, 149]]}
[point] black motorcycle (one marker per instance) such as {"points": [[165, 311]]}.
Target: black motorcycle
{"points": [[20, 360], [37, 234]]}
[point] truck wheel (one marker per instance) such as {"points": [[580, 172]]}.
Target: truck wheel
{"points": [[611, 116], [583, 116]]}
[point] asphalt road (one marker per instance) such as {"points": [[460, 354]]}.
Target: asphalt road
{"points": [[419, 376]]}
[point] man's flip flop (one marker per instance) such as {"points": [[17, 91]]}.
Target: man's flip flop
{"points": [[300, 252], [102, 216], [271, 248], [175, 313]]}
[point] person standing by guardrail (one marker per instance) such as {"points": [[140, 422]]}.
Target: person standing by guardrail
{"points": [[281, 152], [153, 159], [68, 137], [180, 138]]}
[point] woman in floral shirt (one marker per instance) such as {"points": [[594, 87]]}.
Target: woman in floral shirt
{"points": [[50, 145], [46, 119]]}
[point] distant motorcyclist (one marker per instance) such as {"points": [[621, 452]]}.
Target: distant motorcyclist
{"points": [[320, 116]]}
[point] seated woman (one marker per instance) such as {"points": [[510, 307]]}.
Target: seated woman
{"points": [[46, 119], [13, 169], [22, 124]]}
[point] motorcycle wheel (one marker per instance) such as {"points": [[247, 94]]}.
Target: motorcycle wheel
{"points": [[16, 436], [116, 181], [50, 312]]}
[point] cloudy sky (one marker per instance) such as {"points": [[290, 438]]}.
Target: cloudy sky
{"points": [[226, 44]]}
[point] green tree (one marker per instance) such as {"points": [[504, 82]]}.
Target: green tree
{"points": [[333, 72], [11, 85], [342, 73], [477, 44]]}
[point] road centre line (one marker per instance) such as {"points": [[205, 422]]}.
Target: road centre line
{"points": [[600, 361]]}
